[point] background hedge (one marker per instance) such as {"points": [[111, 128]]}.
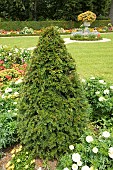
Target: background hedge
{"points": [[18, 25]]}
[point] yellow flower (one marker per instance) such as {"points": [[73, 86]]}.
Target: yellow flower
{"points": [[18, 160], [26, 167], [87, 16], [13, 151], [33, 161], [8, 164], [13, 156], [11, 167]]}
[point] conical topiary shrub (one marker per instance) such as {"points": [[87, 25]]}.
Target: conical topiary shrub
{"points": [[53, 111]]}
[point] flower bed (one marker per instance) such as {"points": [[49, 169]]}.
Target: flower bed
{"points": [[94, 149]]}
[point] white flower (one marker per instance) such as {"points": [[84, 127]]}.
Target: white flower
{"points": [[106, 91], [3, 96], [79, 163], [97, 92], [66, 168], [71, 147], [101, 99], [111, 156], [111, 149], [106, 134], [101, 81], [8, 90], [15, 103], [16, 50], [92, 78], [110, 152], [9, 111], [111, 87], [85, 167], [83, 80], [76, 157], [74, 166], [40, 168], [89, 139], [26, 167], [10, 54], [16, 93], [18, 160], [95, 149], [18, 81]]}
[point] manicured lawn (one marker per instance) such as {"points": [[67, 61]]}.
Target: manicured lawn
{"points": [[92, 59], [20, 42]]}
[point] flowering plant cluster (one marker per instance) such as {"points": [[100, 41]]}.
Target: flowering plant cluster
{"points": [[87, 16], [100, 96], [12, 62], [21, 159], [93, 153], [8, 113]]}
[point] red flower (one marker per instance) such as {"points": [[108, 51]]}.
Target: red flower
{"points": [[2, 67], [8, 77], [1, 62]]}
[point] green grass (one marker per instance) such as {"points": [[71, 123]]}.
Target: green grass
{"points": [[92, 59], [20, 42]]}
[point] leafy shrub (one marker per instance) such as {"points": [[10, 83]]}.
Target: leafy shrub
{"points": [[94, 152], [100, 95], [53, 110]]}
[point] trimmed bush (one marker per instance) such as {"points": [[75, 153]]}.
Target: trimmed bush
{"points": [[53, 110], [37, 25], [19, 25]]}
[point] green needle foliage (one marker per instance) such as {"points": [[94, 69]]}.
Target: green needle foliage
{"points": [[53, 110]]}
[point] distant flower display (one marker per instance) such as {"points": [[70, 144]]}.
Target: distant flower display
{"points": [[87, 16]]}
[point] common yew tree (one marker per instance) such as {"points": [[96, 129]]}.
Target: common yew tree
{"points": [[53, 111]]}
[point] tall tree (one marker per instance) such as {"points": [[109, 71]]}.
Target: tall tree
{"points": [[111, 12]]}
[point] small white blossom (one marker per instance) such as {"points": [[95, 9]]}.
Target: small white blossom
{"points": [[101, 81], [40, 168], [9, 111], [8, 90], [83, 80], [110, 152], [66, 168], [71, 147], [97, 92], [10, 54], [95, 149], [74, 166], [79, 163], [18, 81], [76, 157], [106, 91], [85, 167], [3, 96], [16, 93], [101, 99], [89, 139], [18, 160], [111, 87], [106, 134], [15, 103], [92, 78]]}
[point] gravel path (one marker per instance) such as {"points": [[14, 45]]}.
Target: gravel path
{"points": [[68, 41]]}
